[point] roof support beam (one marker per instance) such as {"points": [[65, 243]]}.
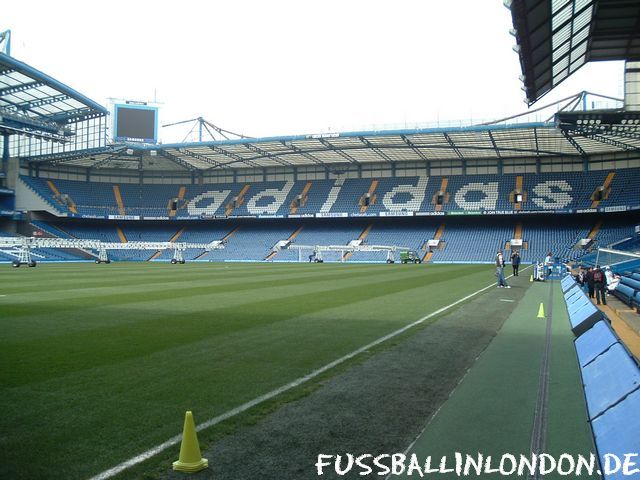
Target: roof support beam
{"points": [[269, 155], [300, 152], [71, 155], [20, 88], [379, 152], [177, 160], [73, 116], [237, 158], [44, 101], [574, 144], [495, 146], [453, 145], [202, 158], [339, 151], [108, 158], [411, 145]]}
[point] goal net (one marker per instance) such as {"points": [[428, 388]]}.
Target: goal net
{"points": [[618, 260]]}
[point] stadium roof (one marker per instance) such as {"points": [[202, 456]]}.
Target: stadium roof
{"points": [[555, 38], [33, 103], [335, 150]]}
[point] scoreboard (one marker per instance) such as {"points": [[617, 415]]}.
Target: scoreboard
{"points": [[135, 122]]}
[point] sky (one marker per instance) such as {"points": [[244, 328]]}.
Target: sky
{"points": [[289, 67]]}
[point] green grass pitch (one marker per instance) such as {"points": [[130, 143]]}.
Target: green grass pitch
{"points": [[99, 362]]}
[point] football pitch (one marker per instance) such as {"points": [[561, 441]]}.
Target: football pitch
{"points": [[100, 362]]}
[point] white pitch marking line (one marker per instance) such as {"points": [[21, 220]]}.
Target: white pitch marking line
{"points": [[506, 300], [267, 396]]}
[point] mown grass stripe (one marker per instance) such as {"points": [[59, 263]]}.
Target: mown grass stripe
{"points": [[246, 406], [112, 408], [76, 351]]}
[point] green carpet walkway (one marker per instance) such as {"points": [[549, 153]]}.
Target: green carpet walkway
{"points": [[497, 405]]}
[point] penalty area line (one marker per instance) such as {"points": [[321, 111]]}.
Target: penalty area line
{"points": [[267, 396]]}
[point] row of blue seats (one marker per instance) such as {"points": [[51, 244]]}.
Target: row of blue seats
{"points": [[610, 377], [467, 239], [548, 191], [628, 290]]}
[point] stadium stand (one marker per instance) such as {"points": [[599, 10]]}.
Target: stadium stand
{"points": [[485, 234], [251, 242], [567, 191], [485, 240]]}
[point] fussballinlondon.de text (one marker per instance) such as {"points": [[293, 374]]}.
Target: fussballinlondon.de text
{"points": [[463, 465]]}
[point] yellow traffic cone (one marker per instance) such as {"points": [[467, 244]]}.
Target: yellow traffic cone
{"points": [[541, 311], [190, 458]]}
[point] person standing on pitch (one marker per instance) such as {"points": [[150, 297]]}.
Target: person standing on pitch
{"points": [[502, 283], [515, 262]]}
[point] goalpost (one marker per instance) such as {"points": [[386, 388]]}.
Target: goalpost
{"points": [[621, 260]]}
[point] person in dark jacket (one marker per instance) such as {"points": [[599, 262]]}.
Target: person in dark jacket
{"points": [[515, 262], [589, 281], [599, 285]]}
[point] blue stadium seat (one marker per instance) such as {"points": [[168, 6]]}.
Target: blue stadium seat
{"points": [[608, 379], [625, 293], [582, 316], [616, 433], [630, 282], [567, 283], [595, 341]]}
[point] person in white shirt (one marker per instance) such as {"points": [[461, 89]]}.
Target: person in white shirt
{"points": [[548, 263], [502, 282]]}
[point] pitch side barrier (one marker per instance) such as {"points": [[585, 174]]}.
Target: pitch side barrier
{"points": [[98, 248]]}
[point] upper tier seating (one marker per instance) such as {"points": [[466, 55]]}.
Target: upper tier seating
{"points": [[400, 195]]}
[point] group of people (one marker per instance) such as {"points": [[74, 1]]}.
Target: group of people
{"points": [[597, 281]]}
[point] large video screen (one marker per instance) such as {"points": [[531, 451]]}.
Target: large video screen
{"points": [[136, 123]]}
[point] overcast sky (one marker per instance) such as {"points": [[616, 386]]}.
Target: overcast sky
{"points": [[285, 67]]}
